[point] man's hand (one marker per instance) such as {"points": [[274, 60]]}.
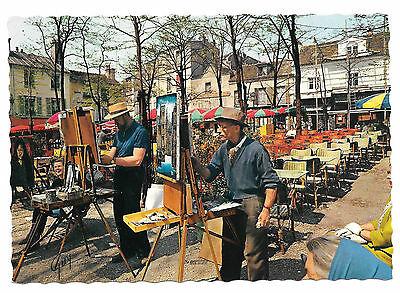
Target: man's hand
{"points": [[263, 218], [105, 159], [196, 164]]}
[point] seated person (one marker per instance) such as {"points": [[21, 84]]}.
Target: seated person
{"points": [[22, 179], [376, 236], [58, 181], [332, 258]]}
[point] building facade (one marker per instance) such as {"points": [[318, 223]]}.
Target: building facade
{"points": [[32, 86], [343, 72]]}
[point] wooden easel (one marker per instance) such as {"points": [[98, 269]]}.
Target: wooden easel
{"points": [[184, 219], [82, 155]]}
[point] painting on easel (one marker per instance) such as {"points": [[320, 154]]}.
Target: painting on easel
{"points": [[168, 144], [80, 130]]}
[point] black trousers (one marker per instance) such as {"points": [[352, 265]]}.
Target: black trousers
{"points": [[128, 185], [253, 241]]}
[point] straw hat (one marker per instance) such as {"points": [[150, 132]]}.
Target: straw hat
{"points": [[234, 115], [116, 110]]}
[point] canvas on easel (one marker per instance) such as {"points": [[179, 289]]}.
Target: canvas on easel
{"points": [[80, 131], [168, 143]]}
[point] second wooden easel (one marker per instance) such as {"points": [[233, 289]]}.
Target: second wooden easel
{"points": [[187, 173]]}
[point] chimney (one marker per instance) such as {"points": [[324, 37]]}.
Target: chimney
{"points": [[16, 49], [9, 44]]}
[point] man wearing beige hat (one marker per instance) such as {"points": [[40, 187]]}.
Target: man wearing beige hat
{"points": [[252, 182], [128, 152]]}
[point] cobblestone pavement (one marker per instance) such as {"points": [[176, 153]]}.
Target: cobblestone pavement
{"points": [[363, 201]]}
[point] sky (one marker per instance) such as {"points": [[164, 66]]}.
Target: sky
{"points": [[19, 32], [22, 34]]}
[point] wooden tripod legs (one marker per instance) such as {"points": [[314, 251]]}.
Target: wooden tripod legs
{"points": [[110, 232]]}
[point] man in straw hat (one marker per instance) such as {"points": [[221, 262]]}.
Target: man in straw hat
{"points": [[252, 182], [128, 152]]}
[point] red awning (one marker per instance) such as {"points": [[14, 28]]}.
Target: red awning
{"points": [[53, 119], [15, 121], [108, 125], [201, 111], [19, 128], [39, 127]]}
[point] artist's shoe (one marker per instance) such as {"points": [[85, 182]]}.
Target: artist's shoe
{"points": [[137, 262], [118, 258]]}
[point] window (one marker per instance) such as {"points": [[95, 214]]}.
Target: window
{"points": [[207, 86], [29, 78], [313, 83], [26, 104], [310, 83], [260, 97], [38, 106], [352, 50], [236, 99], [354, 79], [169, 84], [51, 106], [57, 82]]}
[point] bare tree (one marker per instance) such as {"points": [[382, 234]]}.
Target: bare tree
{"points": [[95, 48], [216, 44], [56, 34], [143, 30], [269, 43], [238, 28], [180, 51], [293, 48]]}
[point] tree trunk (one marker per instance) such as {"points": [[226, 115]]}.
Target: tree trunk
{"points": [[62, 85], [219, 92], [141, 97], [324, 100], [296, 61], [98, 105], [238, 64], [56, 88]]}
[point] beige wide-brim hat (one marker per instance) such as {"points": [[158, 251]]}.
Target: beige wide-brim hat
{"points": [[116, 110], [234, 115]]}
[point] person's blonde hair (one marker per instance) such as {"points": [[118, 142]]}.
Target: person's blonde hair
{"points": [[323, 249]]}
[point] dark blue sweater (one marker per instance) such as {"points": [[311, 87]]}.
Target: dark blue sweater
{"points": [[250, 174]]}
